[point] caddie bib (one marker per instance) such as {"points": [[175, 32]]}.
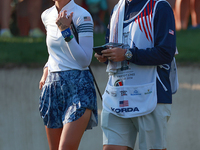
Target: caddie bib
{"points": [[131, 91]]}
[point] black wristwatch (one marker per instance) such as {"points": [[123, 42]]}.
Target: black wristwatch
{"points": [[68, 38], [128, 55]]}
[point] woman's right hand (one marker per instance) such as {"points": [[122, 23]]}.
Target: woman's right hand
{"points": [[63, 22], [100, 58], [43, 79]]}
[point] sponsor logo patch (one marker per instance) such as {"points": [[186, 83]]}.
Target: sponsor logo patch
{"points": [[119, 82], [114, 94], [148, 92], [129, 109], [135, 92], [123, 93]]}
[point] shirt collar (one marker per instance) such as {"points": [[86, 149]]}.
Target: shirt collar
{"points": [[69, 6]]}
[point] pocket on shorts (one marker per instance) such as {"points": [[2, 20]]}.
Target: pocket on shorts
{"points": [[168, 110], [163, 111]]}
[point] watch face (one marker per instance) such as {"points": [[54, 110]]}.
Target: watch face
{"points": [[128, 55], [67, 39]]}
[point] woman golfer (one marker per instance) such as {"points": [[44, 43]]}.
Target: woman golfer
{"points": [[68, 98]]}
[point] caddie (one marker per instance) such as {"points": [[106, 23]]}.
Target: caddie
{"points": [[138, 96]]}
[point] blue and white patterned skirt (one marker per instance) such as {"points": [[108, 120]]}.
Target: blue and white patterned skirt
{"points": [[65, 96]]}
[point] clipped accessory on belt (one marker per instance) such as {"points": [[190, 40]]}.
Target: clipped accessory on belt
{"points": [[67, 34]]}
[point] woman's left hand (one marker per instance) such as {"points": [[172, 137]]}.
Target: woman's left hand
{"points": [[62, 21], [43, 79]]}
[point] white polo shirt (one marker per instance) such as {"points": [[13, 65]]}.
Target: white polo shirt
{"points": [[68, 55]]}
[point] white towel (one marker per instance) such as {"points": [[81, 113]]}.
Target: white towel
{"points": [[116, 32]]}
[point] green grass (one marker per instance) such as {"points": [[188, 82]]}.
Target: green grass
{"points": [[33, 52], [27, 51], [188, 44], [22, 51]]}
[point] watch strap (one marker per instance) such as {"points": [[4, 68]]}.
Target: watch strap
{"points": [[69, 38]]}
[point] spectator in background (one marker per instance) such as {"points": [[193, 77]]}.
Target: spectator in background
{"points": [[5, 15], [25, 8], [28, 12], [97, 8], [183, 10], [195, 13]]}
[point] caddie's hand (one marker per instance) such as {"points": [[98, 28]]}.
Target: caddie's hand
{"points": [[115, 54], [100, 58], [63, 21]]}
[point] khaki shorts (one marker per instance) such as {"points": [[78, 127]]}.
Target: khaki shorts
{"points": [[151, 129]]}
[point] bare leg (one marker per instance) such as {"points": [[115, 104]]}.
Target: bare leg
{"points": [[182, 10], [34, 16], [197, 6], [195, 12], [53, 136], [5, 13], [72, 132]]}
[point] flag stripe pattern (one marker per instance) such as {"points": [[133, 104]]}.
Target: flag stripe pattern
{"points": [[86, 27], [123, 103], [144, 20]]}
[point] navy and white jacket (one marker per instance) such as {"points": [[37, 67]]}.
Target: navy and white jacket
{"points": [[164, 45]]}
